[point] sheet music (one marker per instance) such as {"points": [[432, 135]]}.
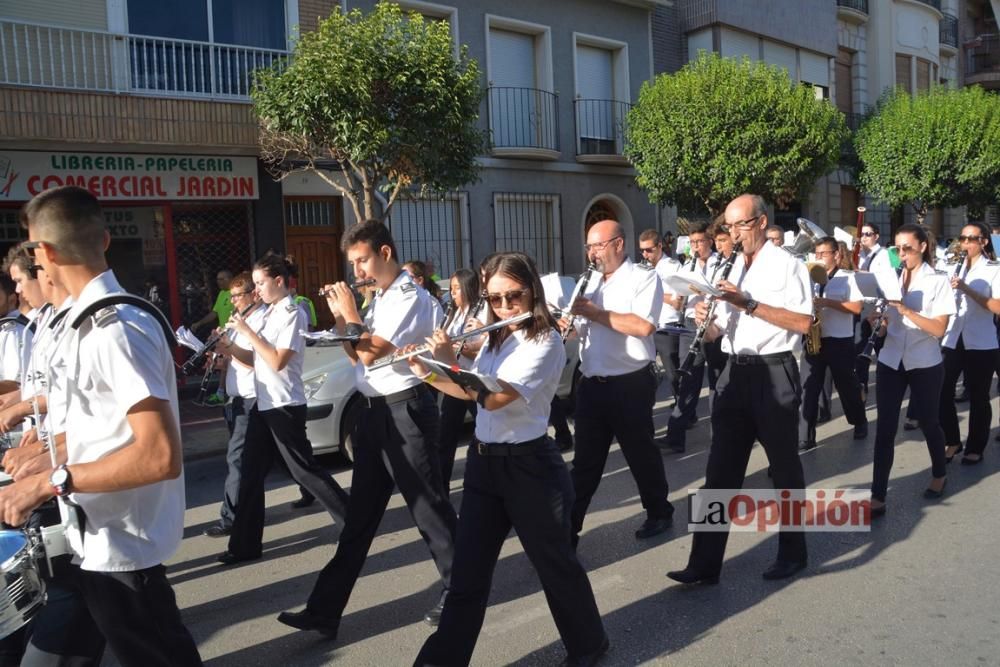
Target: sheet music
{"points": [[328, 335], [690, 284], [186, 338]]}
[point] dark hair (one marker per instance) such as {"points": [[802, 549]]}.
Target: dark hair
{"points": [[418, 269], [870, 226], [699, 228], [923, 236], [827, 240], [468, 285], [18, 256], [984, 230], [276, 266], [651, 235], [846, 258], [70, 219], [372, 232], [719, 228], [772, 228], [8, 286], [519, 267]]}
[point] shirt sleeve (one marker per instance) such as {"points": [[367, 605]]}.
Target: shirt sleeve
{"points": [[532, 365], [943, 298], [287, 337], [853, 291], [648, 300], [132, 359], [10, 357], [798, 290]]}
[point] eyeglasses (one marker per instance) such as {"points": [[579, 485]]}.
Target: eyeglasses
{"points": [[906, 249], [824, 253], [742, 224], [33, 270], [233, 295], [867, 234], [970, 239], [511, 296], [703, 240], [600, 245], [646, 251]]}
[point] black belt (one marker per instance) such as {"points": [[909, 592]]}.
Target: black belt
{"points": [[507, 449], [775, 359], [392, 399], [612, 378]]}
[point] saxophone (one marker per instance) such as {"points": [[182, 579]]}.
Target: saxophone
{"points": [[818, 276]]}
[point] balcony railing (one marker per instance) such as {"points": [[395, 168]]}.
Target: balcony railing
{"points": [[55, 57], [856, 5], [936, 4], [523, 118], [983, 55], [600, 126], [949, 30]]}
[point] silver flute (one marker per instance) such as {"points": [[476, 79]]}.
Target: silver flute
{"points": [[398, 356]]}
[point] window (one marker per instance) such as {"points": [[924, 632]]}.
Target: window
{"points": [[259, 23], [435, 229], [903, 73], [435, 12], [923, 75], [602, 95], [529, 223]]}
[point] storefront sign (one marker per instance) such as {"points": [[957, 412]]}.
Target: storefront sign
{"points": [[128, 176]]}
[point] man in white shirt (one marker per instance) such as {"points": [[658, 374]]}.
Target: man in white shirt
{"points": [[837, 304], [872, 258], [618, 385], [651, 248], [11, 332], [123, 461], [761, 320]]}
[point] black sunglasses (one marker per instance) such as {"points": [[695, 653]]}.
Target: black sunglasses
{"points": [[496, 300], [33, 270]]}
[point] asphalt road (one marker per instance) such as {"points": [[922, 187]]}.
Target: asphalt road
{"points": [[920, 588]]}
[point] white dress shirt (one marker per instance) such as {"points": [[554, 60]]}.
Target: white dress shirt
{"points": [[281, 325], [455, 327], [875, 259], [775, 278], [842, 287], [532, 368], [632, 288], [10, 347], [664, 268], [973, 323], [239, 376], [402, 314], [929, 294], [114, 361]]}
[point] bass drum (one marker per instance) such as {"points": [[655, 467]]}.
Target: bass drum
{"points": [[24, 592]]}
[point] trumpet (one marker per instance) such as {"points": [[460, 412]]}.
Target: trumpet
{"points": [[699, 336], [581, 287], [189, 366], [354, 286], [398, 356]]}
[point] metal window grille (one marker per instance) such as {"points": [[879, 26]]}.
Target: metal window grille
{"points": [[10, 226], [208, 239], [312, 212], [433, 228], [529, 223]]}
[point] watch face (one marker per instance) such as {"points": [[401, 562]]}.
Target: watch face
{"points": [[59, 477]]}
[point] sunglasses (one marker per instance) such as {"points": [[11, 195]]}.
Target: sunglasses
{"points": [[867, 234], [906, 249], [970, 239], [512, 296], [646, 251], [33, 270]]}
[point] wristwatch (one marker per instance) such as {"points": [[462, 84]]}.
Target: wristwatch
{"points": [[61, 480], [750, 307]]}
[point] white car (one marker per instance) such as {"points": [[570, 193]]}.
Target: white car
{"points": [[333, 404]]}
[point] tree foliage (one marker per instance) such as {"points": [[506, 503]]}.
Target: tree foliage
{"points": [[938, 148], [721, 127], [373, 102]]}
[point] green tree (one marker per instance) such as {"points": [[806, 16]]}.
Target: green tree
{"points": [[937, 148], [373, 102], [721, 127]]}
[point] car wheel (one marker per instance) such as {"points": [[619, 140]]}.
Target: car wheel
{"points": [[347, 422]]}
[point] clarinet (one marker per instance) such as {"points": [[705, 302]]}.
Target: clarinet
{"points": [[581, 287], [962, 255], [449, 312], [476, 310], [699, 336], [213, 340], [881, 306]]}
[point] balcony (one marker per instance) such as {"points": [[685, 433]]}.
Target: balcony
{"points": [[90, 60], [948, 31], [982, 64], [852, 11], [936, 4], [524, 122], [600, 130]]}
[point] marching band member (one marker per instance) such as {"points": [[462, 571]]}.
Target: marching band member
{"points": [[618, 385], [685, 413], [839, 301], [873, 257], [911, 356], [277, 420], [11, 332], [396, 434], [970, 344], [123, 462], [241, 394], [465, 295], [514, 476], [651, 247], [761, 320]]}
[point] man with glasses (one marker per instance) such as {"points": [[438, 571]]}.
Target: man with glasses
{"points": [[651, 247], [618, 385], [838, 303], [872, 258], [761, 318], [684, 416], [240, 397], [776, 235]]}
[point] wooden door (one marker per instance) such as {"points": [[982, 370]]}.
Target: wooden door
{"points": [[313, 227]]}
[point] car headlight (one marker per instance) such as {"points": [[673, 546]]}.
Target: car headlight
{"points": [[313, 385]]}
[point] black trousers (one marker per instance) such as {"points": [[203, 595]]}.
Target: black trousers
{"points": [[669, 351], [453, 411], [753, 402], [533, 494], [836, 355], [978, 367], [281, 431], [237, 418], [137, 614], [925, 399], [396, 446], [709, 360], [862, 365], [618, 407]]}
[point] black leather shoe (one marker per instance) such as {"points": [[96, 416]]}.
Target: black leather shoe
{"points": [[823, 417], [307, 620], [433, 615], [861, 431], [564, 442], [303, 502], [783, 569], [229, 558], [217, 530], [966, 461], [806, 445], [692, 576], [652, 527], [932, 494], [910, 425], [588, 660]]}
